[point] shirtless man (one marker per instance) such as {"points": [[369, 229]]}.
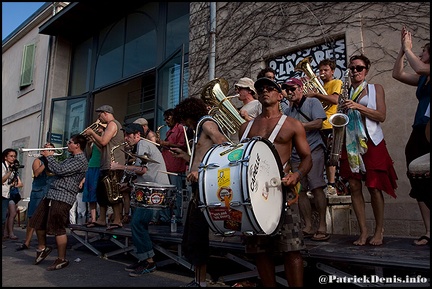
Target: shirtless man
{"points": [[192, 112], [289, 241]]}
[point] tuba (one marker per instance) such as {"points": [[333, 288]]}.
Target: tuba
{"points": [[222, 110], [112, 180], [312, 82], [338, 121]]}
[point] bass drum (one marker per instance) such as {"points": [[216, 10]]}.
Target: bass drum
{"points": [[240, 189]]}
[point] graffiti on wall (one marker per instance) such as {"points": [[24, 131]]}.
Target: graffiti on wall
{"points": [[284, 65]]}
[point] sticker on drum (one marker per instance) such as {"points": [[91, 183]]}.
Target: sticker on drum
{"points": [[152, 195], [236, 189]]}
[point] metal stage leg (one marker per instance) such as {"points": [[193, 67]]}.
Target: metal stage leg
{"points": [[175, 258], [124, 247], [86, 242]]}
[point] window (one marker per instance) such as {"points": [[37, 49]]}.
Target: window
{"points": [[27, 65]]}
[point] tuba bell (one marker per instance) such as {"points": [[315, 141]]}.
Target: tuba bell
{"points": [[222, 110], [312, 82]]}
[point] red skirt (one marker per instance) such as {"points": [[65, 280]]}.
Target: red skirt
{"points": [[380, 173]]}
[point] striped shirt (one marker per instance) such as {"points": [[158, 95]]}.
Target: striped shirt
{"points": [[68, 174]]}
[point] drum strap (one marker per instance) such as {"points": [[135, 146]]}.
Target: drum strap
{"points": [[274, 132], [277, 128]]}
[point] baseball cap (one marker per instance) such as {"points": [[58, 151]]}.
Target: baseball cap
{"points": [[133, 128], [246, 82], [141, 121], [292, 82], [266, 81], [105, 108]]}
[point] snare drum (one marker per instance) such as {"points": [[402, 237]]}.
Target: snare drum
{"points": [[240, 188], [152, 195], [419, 168]]}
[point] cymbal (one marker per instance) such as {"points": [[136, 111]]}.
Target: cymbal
{"points": [[143, 158]]}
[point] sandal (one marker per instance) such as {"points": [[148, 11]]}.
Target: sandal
{"points": [[420, 242], [22, 247], [320, 236], [114, 226], [13, 237]]}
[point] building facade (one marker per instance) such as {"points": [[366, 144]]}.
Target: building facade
{"points": [[146, 57]]}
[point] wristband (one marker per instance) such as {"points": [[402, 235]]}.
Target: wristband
{"points": [[300, 173]]}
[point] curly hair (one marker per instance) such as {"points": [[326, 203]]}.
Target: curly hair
{"points": [[190, 108], [263, 71]]}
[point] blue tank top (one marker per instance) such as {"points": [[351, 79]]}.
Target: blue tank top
{"points": [[423, 95]]}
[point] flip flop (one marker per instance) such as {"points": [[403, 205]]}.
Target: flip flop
{"points": [[307, 235], [325, 237], [94, 224], [421, 239], [14, 238], [114, 226]]}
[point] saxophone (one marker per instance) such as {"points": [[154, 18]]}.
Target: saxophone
{"points": [[339, 120], [111, 181]]}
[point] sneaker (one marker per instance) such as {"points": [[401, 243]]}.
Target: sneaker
{"points": [[58, 264], [143, 269], [134, 266], [41, 255], [331, 191], [193, 283]]}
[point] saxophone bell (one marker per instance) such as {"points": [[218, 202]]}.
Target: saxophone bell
{"points": [[338, 121]]}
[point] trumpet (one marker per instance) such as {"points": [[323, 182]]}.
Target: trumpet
{"points": [[35, 155], [94, 126]]}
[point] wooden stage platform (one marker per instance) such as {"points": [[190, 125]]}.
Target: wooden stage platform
{"points": [[336, 257]]}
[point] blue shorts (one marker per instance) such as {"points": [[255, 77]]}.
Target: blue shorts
{"points": [[36, 196], [90, 185]]}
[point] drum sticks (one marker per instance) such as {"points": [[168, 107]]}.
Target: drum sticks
{"points": [[187, 141], [168, 173], [155, 143]]}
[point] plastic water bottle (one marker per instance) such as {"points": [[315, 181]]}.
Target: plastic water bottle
{"points": [[173, 224]]}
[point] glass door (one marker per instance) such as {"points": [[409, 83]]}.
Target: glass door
{"points": [[171, 85], [68, 117]]}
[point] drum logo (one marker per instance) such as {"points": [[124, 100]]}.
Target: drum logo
{"points": [[225, 195], [223, 177], [139, 196], [254, 172], [156, 198]]}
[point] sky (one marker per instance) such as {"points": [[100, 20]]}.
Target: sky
{"points": [[15, 13]]}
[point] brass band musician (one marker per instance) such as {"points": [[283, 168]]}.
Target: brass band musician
{"points": [[110, 138]]}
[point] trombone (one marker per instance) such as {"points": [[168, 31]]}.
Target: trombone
{"points": [[35, 155]]}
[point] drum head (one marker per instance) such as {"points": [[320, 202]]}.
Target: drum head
{"points": [[153, 185], [263, 175]]}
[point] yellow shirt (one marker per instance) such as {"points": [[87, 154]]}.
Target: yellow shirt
{"points": [[333, 86]]}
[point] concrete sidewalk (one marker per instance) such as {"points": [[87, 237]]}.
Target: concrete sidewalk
{"points": [[85, 269]]}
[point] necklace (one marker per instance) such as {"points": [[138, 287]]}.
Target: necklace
{"points": [[275, 116]]}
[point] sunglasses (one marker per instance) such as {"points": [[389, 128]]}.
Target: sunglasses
{"points": [[291, 88], [359, 68], [268, 88]]}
